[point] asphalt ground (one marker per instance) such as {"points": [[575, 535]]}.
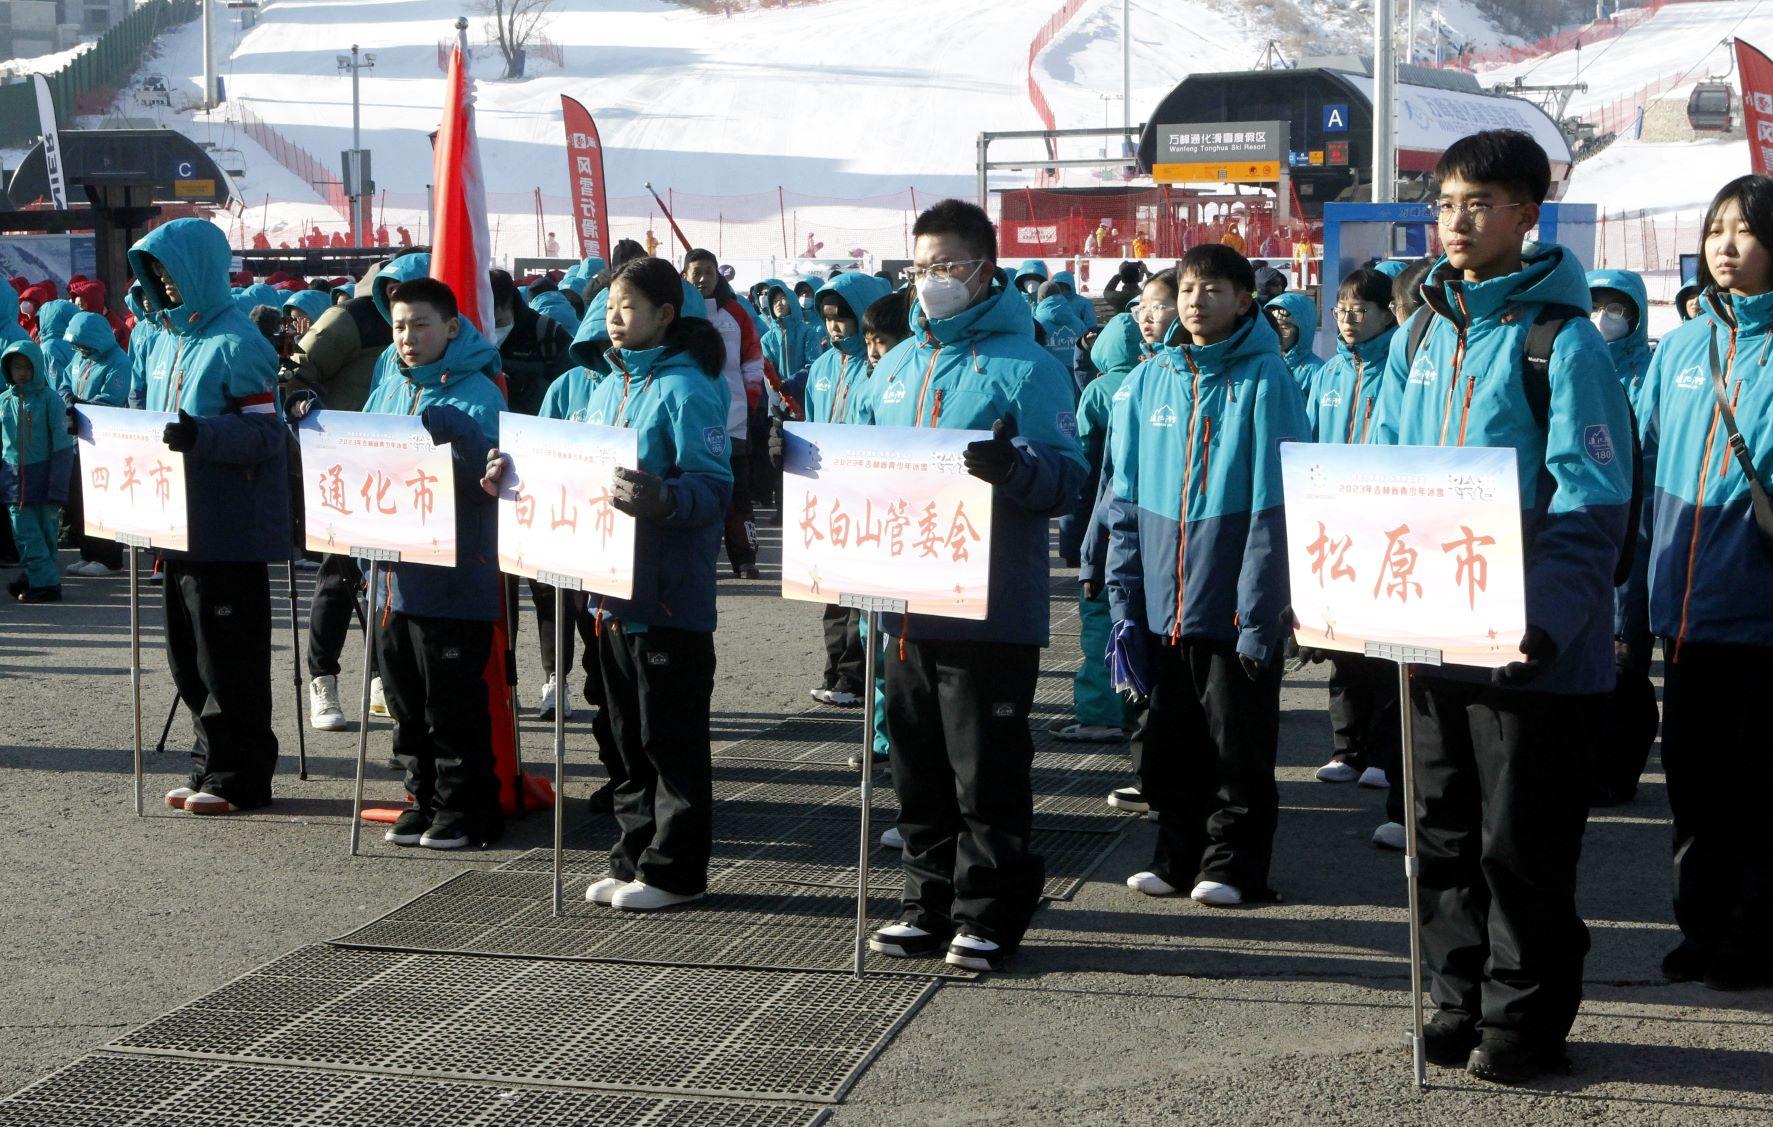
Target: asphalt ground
{"points": [[1119, 1008]]}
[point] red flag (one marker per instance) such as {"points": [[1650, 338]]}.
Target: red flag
{"points": [[584, 172], [461, 250], [1757, 105]]}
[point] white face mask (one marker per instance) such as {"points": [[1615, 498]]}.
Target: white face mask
{"points": [[942, 297], [1612, 326], [500, 332], [806, 302]]}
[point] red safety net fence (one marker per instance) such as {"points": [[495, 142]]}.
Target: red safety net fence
{"points": [[298, 160], [1587, 35], [1163, 221]]}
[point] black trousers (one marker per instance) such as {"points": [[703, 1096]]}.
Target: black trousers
{"points": [[741, 525], [961, 757], [336, 587], [543, 595], [433, 672], [1719, 764], [843, 649], [218, 646], [1501, 807], [107, 552], [1624, 735], [1363, 710], [657, 686], [1206, 765]]}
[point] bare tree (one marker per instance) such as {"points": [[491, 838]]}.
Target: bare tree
{"points": [[515, 24]]}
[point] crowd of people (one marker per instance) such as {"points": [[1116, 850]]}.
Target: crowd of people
{"points": [[1152, 438]]}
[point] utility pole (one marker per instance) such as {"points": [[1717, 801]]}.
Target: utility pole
{"points": [[355, 161], [1384, 104], [208, 57], [1126, 74], [1409, 31]]}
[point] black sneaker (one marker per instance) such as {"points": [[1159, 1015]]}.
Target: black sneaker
{"points": [[602, 800], [1731, 971], [974, 952], [751, 572], [1130, 799], [1448, 1039], [446, 835], [41, 595], [408, 829], [19, 584], [1503, 1058], [906, 941], [1685, 963]]}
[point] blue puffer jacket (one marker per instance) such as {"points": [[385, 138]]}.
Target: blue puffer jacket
{"points": [[470, 590], [1301, 360], [36, 450], [100, 372], [1700, 574], [10, 329], [1119, 349], [1631, 353], [790, 344], [1464, 389], [210, 361], [1343, 395], [1080, 305], [1058, 319], [837, 382], [965, 373], [52, 327], [1204, 424]]}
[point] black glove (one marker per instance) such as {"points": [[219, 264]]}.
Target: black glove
{"points": [[994, 459], [73, 422], [778, 442], [445, 422], [1092, 589], [181, 437], [1252, 667], [642, 495], [1540, 651]]}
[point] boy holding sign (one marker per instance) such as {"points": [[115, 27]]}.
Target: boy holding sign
{"points": [[36, 457], [1501, 792], [214, 369]]}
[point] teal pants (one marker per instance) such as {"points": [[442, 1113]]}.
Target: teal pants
{"points": [[36, 528], [881, 746], [1093, 699]]}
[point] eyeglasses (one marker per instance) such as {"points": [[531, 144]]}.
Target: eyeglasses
{"points": [[961, 269], [1354, 315], [1155, 311], [1612, 309], [1478, 211]]}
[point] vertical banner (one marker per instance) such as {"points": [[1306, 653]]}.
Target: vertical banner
{"points": [[461, 248], [1410, 545], [132, 485], [555, 516], [584, 173], [52, 143], [885, 511], [1757, 106], [376, 487]]}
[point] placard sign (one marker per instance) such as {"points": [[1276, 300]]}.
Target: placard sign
{"points": [[885, 511], [1410, 545], [133, 487], [555, 518], [376, 487]]}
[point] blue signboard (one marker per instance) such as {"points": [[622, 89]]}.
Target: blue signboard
{"points": [[1336, 119]]}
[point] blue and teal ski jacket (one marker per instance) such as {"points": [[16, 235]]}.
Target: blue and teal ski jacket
{"points": [[1631, 353], [790, 344], [1344, 393], [36, 450], [1080, 305], [100, 371], [1058, 319], [837, 382], [1119, 349], [10, 329], [52, 327], [1301, 360]]}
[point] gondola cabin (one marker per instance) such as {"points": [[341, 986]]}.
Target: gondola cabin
{"points": [[1708, 107]]}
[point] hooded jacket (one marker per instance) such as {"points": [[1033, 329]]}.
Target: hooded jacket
{"points": [[257, 294], [459, 379], [1083, 307], [52, 324], [1631, 352], [964, 373], [1464, 389], [836, 384], [100, 371], [1699, 573], [10, 329], [552, 305], [1301, 360], [1033, 268], [1120, 347], [678, 412], [311, 302], [1058, 319], [212, 363], [1197, 532], [1343, 395], [36, 450], [791, 344], [339, 354], [533, 353], [141, 342]]}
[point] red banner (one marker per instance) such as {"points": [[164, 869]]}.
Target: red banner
{"points": [[1756, 70], [461, 251], [584, 172]]}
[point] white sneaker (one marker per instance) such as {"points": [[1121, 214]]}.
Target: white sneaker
{"points": [[1130, 799], [325, 714], [1390, 836], [823, 696], [78, 567], [843, 698], [974, 952], [1089, 734], [892, 838], [378, 703], [1216, 895], [550, 690], [903, 941], [638, 896], [97, 569], [1336, 771], [1375, 779], [175, 797], [1151, 884], [203, 802], [604, 891]]}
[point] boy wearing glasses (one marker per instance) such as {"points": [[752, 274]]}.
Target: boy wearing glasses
{"points": [[1501, 794]]}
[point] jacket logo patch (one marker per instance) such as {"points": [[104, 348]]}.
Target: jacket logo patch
{"points": [[894, 393], [596, 418], [453, 653], [715, 437], [1422, 371], [224, 612], [1330, 398], [1690, 379], [1164, 416], [1597, 440], [1067, 423], [823, 383], [1004, 711], [1124, 391], [658, 658]]}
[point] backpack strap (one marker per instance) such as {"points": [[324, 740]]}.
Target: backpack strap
{"points": [[1420, 322]]}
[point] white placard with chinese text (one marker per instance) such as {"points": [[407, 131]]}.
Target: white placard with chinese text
{"points": [[885, 511], [377, 487], [555, 516], [133, 487], [1408, 545]]}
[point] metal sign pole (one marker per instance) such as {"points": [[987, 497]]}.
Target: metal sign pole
{"points": [[369, 640], [135, 674], [564, 586], [872, 606], [295, 650]]}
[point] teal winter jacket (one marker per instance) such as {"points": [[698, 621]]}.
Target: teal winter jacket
{"points": [[1630, 353], [36, 450], [100, 371], [1301, 360], [1344, 393]]}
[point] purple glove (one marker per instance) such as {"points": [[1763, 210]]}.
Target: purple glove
{"points": [[1127, 664]]}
